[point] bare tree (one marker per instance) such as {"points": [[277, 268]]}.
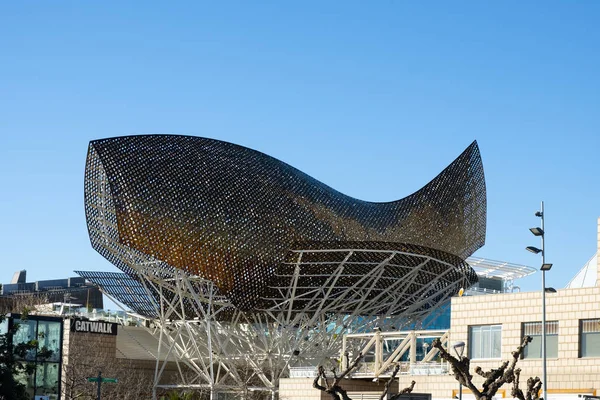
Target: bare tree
{"points": [[386, 389], [85, 360], [495, 378], [534, 385], [22, 303], [334, 389]]}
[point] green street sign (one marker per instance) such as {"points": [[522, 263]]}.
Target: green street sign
{"points": [[109, 380]]}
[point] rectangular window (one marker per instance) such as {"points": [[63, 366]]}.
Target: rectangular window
{"points": [[45, 378], [534, 349], [4, 326], [589, 344], [25, 333], [49, 339], [485, 341]]}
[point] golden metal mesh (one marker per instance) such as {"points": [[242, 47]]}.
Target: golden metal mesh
{"points": [[231, 214]]}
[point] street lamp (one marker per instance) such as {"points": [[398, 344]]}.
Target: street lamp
{"points": [[459, 349], [537, 231], [532, 249], [545, 267]]}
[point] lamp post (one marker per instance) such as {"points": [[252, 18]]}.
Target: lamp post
{"points": [[545, 267], [459, 349]]}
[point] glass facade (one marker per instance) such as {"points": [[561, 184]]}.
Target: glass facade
{"points": [[45, 380], [4, 326], [534, 349], [589, 343], [485, 341], [438, 320]]}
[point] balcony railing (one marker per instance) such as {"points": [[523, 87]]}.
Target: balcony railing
{"points": [[367, 370]]}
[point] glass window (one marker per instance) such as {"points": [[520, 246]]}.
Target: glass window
{"points": [[27, 380], [25, 333], [589, 337], [485, 341], [534, 349], [49, 337], [46, 379], [4, 326]]}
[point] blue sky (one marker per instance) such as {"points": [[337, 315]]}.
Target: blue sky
{"points": [[372, 98]]}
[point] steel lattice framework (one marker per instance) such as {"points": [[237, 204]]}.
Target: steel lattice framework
{"points": [[253, 265]]}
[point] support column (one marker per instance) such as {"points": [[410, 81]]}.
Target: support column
{"points": [[413, 348], [378, 351]]}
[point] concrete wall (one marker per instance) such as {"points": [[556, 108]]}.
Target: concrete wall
{"points": [[301, 388], [567, 374], [298, 389], [84, 354]]}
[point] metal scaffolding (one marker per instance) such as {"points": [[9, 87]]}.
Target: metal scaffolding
{"points": [[245, 266]]}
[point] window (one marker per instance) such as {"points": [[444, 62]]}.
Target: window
{"points": [[49, 337], [589, 342], [45, 379], [534, 349], [4, 326], [485, 341], [26, 333]]}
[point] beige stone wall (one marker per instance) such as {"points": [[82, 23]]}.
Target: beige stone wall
{"points": [[567, 306], [301, 388], [298, 389], [566, 374]]}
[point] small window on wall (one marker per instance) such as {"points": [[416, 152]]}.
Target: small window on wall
{"points": [[589, 343], [534, 349], [485, 341]]}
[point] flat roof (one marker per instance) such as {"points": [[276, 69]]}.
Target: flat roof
{"points": [[499, 269]]}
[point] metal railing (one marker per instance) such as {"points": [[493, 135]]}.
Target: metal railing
{"points": [[367, 369], [303, 372]]}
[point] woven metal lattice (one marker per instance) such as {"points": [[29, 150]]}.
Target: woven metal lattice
{"points": [[231, 215], [124, 289], [392, 277]]}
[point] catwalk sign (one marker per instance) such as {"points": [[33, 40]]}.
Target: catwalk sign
{"points": [[100, 327]]}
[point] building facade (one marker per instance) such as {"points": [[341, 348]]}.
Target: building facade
{"points": [[80, 349], [492, 327], [75, 290]]}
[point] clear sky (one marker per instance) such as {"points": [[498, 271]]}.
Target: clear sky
{"points": [[371, 98]]}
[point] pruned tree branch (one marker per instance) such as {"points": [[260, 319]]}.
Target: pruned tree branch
{"points": [[460, 368], [495, 378], [534, 385], [386, 389], [333, 388], [352, 366], [406, 390]]}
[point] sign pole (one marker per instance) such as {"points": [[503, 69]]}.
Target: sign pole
{"points": [[99, 379], [99, 383]]}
